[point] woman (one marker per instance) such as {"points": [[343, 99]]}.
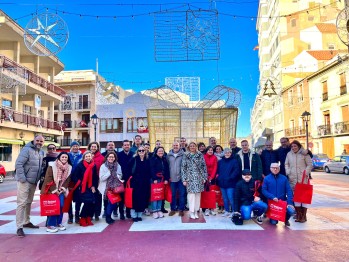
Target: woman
{"points": [[228, 175], [202, 148], [211, 165], [57, 179], [295, 164], [86, 174], [51, 155], [194, 176], [159, 171], [218, 152], [139, 169], [110, 175]]}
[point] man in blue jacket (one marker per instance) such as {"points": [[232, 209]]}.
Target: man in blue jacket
{"points": [[276, 187]]}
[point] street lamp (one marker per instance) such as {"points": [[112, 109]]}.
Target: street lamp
{"points": [[94, 120], [21, 136], [306, 118]]}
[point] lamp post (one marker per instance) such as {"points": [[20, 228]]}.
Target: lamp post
{"points": [[21, 136], [94, 119], [306, 118]]}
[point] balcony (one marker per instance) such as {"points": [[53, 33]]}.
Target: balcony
{"points": [[324, 96], [64, 107], [83, 106], [81, 124], [7, 114], [67, 123], [324, 130], [295, 131], [343, 90], [29, 76], [341, 128], [65, 141]]}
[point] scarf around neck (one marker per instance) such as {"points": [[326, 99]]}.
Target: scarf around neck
{"points": [[113, 181], [87, 179], [62, 172]]}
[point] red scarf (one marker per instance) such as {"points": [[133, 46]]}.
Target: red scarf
{"points": [[87, 175]]}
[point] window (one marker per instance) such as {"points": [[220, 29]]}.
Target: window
{"points": [[131, 125], [343, 86], [300, 93], [7, 103], [324, 91], [331, 46], [5, 152], [111, 125], [27, 109], [290, 97]]}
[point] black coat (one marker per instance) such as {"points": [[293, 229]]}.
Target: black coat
{"points": [[79, 175], [281, 154], [140, 182], [268, 157], [123, 160], [159, 165], [243, 194]]}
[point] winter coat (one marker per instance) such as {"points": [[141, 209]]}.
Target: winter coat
{"points": [[159, 165], [29, 164], [244, 194], [295, 164], [228, 172], [268, 157], [235, 150], [99, 160], [51, 175], [211, 165], [104, 174], [175, 163], [140, 182], [281, 153], [255, 164], [123, 160], [48, 158], [75, 158], [277, 187], [194, 172]]}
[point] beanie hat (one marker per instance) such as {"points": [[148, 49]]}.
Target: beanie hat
{"points": [[74, 143]]}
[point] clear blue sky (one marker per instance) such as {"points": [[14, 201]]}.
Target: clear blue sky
{"points": [[125, 46]]}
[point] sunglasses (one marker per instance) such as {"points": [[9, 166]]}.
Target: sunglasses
{"points": [[51, 148], [141, 150]]}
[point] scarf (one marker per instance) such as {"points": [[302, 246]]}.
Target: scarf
{"points": [[62, 172], [113, 180], [87, 176]]}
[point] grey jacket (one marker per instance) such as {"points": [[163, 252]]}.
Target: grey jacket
{"points": [[29, 164], [174, 163]]}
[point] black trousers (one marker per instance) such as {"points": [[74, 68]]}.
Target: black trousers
{"points": [[87, 210]]}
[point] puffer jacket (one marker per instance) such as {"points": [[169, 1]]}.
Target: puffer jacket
{"points": [[174, 163], [295, 164], [29, 164]]}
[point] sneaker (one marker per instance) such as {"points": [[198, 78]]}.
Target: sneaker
{"points": [[155, 215], [181, 213], [225, 214], [192, 215], [20, 232], [61, 227], [259, 220], [51, 229], [207, 212], [160, 214], [212, 212], [172, 213], [196, 215]]}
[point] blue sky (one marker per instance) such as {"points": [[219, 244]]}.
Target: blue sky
{"points": [[124, 46]]}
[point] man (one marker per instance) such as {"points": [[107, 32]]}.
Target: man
{"points": [[276, 187], [110, 148], [174, 158], [28, 169], [268, 156], [183, 144], [250, 160], [282, 153], [233, 146], [75, 157], [212, 141], [137, 143], [123, 158]]}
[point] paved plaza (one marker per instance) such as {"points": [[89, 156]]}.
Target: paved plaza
{"points": [[323, 238]]}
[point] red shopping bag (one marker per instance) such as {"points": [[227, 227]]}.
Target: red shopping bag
{"points": [[113, 197], [168, 193], [219, 197], [49, 203], [157, 191], [128, 194], [303, 193], [277, 210], [208, 199]]}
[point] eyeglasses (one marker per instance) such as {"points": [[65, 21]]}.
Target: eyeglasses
{"points": [[141, 150], [246, 174], [274, 168], [51, 148]]}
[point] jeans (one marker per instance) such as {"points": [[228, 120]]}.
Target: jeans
{"points": [[156, 205], [258, 206], [110, 208], [228, 198], [290, 211], [135, 214], [181, 189], [54, 221]]}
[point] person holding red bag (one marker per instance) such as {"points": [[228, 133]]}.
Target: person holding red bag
{"points": [[211, 165]]}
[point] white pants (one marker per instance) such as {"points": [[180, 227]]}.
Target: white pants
{"points": [[194, 201], [298, 204]]}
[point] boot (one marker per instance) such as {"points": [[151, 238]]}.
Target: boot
{"points": [[89, 221], [298, 214], [83, 222], [304, 215], [109, 220], [301, 219]]}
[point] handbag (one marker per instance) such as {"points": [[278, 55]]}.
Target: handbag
{"points": [[168, 193], [113, 197], [303, 193], [49, 203], [277, 210], [119, 189], [128, 194], [157, 191], [237, 219]]}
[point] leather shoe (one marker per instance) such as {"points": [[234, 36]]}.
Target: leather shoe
{"points": [[287, 223], [30, 225], [172, 213], [20, 232], [164, 211]]}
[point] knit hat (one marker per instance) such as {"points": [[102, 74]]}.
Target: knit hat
{"points": [[74, 143], [246, 171]]}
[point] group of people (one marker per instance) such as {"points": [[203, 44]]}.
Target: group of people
{"points": [[247, 180]]}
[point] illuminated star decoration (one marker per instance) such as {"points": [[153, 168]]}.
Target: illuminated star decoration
{"points": [[42, 32]]}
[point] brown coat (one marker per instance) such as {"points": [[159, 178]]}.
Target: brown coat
{"points": [[51, 175]]}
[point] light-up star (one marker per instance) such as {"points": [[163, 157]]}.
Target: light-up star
{"points": [[43, 32]]}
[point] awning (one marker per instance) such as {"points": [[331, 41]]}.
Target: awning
{"points": [[260, 142], [11, 141]]}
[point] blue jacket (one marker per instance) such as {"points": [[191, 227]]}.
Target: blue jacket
{"points": [[277, 186], [229, 172], [75, 159], [268, 157]]}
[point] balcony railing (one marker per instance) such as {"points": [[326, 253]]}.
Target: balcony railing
{"points": [[324, 96], [67, 123], [84, 141], [29, 75], [324, 130], [296, 131], [341, 127], [343, 90], [10, 115], [64, 107], [83, 105], [81, 124], [65, 141]]}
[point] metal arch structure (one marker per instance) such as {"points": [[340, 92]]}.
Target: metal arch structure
{"points": [[163, 97], [342, 24], [221, 97]]}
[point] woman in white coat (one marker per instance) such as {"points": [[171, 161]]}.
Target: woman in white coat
{"points": [[295, 164]]}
